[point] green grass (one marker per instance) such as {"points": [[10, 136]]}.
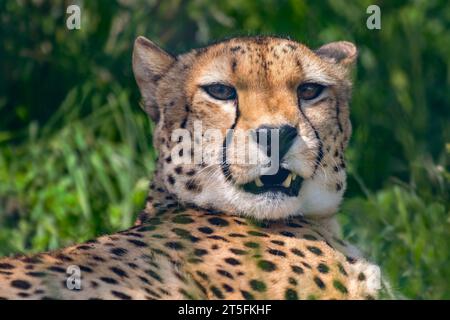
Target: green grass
{"points": [[75, 182]]}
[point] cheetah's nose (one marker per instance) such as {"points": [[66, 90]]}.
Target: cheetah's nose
{"points": [[286, 137]]}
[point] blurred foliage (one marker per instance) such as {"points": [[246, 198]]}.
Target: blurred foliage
{"points": [[76, 154]]}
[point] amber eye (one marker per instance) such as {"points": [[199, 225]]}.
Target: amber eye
{"points": [[220, 91], [309, 91]]}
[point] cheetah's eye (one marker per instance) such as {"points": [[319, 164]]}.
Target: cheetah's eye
{"points": [[220, 91], [309, 91]]}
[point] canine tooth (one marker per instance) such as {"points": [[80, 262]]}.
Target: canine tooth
{"points": [[294, 176], [258, 182], [287, 182]]}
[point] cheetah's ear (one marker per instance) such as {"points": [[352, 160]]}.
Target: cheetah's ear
{"points": [[341, 52], [150, 63]]}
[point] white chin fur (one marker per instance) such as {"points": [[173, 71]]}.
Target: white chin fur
{"points": [[313, 201], [317, 201]]}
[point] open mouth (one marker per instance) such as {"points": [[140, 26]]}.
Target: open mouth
{"points": [[283, 181]]}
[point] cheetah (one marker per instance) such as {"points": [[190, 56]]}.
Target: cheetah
{"points": [[227, 229]]}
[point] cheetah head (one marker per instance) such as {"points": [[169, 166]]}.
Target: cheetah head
{"points": [[253, 126]]}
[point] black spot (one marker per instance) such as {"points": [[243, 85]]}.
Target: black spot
{"points": [[108, 280], [227, 288], [319, 283], [20, 284], [258, 285], [36, 274], [57, 269], [203, 275], [287, 234], [339, 286], [252, 245], [247, 295], [315, 250], [294, 225], [257, 233], [297, 252], [154, 275], [206, 230], [200, 252], [216, 291], [191, 172], [119, 251], [137, 243], [184, 234], [323, 268], [276, 252], [86, 269], [361, 276], [119, 272], [191, 185], [235, 48], [6, 266], [233, 65], [278, 242], [97, 258], [182, 219], [291, 294], [32, 260], [171, 179], [6, 273], [218, 222], [351, 260], [238, 251], [84, 247], [297, 269], [342, 270], [266, 265], [120, 295], [179, 170], [306, 265], [218, 238], [237, 235], [225, 273], [133, 234], [232, 261], [174, 245]]}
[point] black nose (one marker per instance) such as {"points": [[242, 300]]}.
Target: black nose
{"points": [[286, 137]]}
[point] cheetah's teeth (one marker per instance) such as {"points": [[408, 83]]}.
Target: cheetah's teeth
{"points": [[294, 176], [287, 182], [258, 182]]}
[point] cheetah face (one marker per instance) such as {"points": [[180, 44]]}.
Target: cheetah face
{"points": [[253, 126]]}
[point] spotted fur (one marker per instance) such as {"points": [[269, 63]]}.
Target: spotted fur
{"points": [[202, 237]]}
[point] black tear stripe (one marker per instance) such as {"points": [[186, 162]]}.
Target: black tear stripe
{"points": [[338, 118], [316, 133], [223, 164]]}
